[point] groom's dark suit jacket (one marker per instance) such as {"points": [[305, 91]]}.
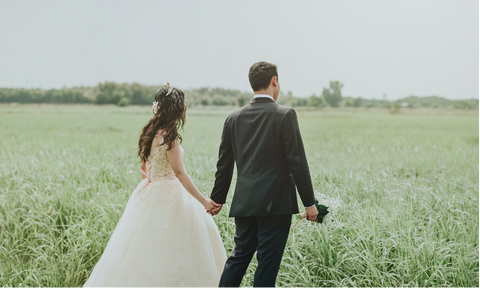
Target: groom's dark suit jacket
{"points": [[264, 140]]}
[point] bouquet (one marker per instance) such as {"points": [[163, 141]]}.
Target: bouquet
{"points": [[328, 207]]}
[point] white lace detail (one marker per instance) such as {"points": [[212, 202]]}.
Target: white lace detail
{"points": [[159, 169], [158, 166]]}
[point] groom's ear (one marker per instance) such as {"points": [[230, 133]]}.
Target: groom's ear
{"points": [[274, 81]]}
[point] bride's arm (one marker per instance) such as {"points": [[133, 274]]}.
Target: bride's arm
{"points": [[144, 168], [175, 158]]}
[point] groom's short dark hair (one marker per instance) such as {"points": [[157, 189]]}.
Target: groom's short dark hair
{"points": [[260, 75]]}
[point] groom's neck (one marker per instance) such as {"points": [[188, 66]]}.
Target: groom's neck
{"points": [[266, 92]]}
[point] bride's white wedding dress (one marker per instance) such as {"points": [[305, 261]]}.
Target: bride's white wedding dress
{"points": [[164, 237]]}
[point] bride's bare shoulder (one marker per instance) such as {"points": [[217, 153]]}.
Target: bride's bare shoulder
{"points": [[160, 134]]}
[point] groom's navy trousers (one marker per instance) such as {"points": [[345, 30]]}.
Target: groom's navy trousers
{"points": [[265, 234]]}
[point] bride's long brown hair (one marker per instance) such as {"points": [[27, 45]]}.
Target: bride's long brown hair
{"points": [[170, 116]]}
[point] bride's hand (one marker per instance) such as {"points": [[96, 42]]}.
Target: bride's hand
{"points": [[209, 204]]}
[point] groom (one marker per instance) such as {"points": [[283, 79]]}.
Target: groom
{"points": [[264, 141]]}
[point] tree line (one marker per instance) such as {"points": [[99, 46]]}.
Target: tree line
{"points": [[124, 94]]}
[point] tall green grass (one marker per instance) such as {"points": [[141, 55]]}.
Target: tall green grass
{"points": [[408, 183]]}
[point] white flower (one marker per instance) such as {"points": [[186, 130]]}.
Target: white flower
{"points": [[154, 107]]}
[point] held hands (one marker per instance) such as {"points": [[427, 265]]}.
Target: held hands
{"points": [[211, 206], [312, 213], [216, 210]]}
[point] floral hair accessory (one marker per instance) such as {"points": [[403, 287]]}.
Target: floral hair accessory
{"points": [[155, 103], [155, 107], [170, 88]]}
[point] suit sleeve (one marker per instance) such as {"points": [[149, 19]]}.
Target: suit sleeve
{"points": [[296, 157], [223, 176]]}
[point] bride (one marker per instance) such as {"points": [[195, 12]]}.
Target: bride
{"points": [[164, 237]]}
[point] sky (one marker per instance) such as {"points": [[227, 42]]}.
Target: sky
{"points": [[374, 47]]}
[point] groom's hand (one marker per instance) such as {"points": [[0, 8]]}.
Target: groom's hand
{"points": [[216, 209], [209, 204], [312, 213]]}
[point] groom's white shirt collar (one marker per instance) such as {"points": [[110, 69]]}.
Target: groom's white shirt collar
{"points": [[263, 96]]}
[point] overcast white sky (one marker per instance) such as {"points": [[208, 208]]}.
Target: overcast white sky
{"points": [[397, 48]]}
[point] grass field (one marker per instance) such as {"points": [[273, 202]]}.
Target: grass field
{"points": [[408, 183]]}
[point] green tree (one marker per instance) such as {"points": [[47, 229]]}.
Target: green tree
{"points": [[333, 95], [357, 102], [242, 100], [316, 101], [123, 102], [108, 93], [465, 104], [300, 102], [219, 101]]}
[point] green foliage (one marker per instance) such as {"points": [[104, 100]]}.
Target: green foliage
{"points": [[322, 211], [395, 109], [353, 102], [466, 104], [357, 102], [123, 102], [408, 183], [422, 102], [219, 101], [242, 100], [111, 93], [289, 100], [333, 95], [64, 95], [315, 101], [216, 96], [138, 94]]}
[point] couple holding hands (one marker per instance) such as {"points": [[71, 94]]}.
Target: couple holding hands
{"points": [[165, 238]]}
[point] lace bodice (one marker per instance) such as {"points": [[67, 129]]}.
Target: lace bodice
{"points": [[158, 166]]}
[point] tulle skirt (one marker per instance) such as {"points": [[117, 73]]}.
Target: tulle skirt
{"points": [[164, 238]]}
